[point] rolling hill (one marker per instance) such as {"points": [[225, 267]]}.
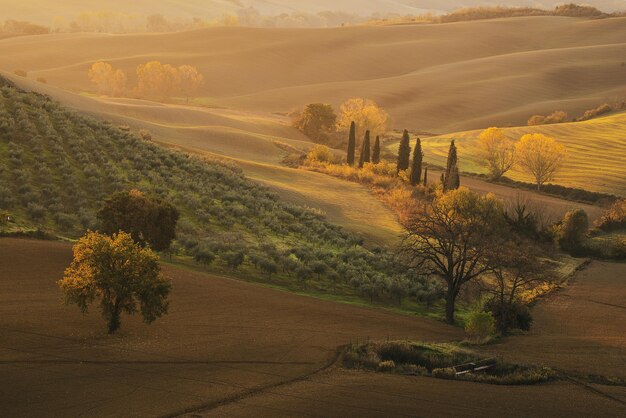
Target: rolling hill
{"points": [[437, 77], [596, 152]]}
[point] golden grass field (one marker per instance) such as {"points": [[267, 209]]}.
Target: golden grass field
{"points": [[596, 151]]}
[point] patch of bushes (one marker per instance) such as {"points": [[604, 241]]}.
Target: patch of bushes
{"points": [[557, 116], [439, 360], [614, 218], [510, 316], [594, 113]]}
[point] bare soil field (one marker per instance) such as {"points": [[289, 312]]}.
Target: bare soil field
{"points": [[580, 329], [221, 339], [352, 393], [229, 348]]}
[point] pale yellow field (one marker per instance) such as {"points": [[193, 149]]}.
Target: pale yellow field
{"points": [[596, 148]]}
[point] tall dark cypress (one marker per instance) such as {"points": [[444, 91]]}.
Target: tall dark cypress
{"points": [[416, 168], [351, 144], [404, 152], [376, 151], [451, 178], [425, 176], [365, 150]]}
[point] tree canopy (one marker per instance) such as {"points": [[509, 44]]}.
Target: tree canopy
{"points": [[316, 121], [453, 238], [366, 114], [496, 151], [149, 221], [540, 156], [119, 273]]}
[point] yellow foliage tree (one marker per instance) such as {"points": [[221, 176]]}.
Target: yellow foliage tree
{"points": [[119, 273], [157, 80], [540, 156], [164, 80], [190, 80], [107, 79], [366, 114], [496, 151]]}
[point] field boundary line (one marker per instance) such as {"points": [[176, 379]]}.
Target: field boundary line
{"points": [[337, 356]]}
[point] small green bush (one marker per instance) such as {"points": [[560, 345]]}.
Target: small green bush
{"points": [[480, 325]]}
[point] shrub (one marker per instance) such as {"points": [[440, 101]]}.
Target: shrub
{"points": [[572, 230], [444, 373], [319, 154], [557, 116], [509, 316], [204, 256], [145, 134], [20, 73], [479, 325], [614, 218], [386, 366], [593, 113]]}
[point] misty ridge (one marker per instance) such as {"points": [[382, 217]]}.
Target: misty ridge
{"points": [[109, 21]]}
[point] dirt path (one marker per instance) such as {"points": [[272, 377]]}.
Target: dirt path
{"points": [[222, 338], [580, 329]]}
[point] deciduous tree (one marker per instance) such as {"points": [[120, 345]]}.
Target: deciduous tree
{"points": [[540, 156], [120, 274], [149, 221], [453, 239], [316, 121], [107, 79], [366, 114], [496, 151], [190, 80]]}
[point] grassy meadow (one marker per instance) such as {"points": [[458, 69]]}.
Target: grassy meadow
{"points": [[596, 151]]}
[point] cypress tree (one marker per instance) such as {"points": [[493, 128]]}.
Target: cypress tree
{"points": [[365, 150], [416, 168], [451, 179], [425, 176], [404, 152], [351, 144], [376, 151], [454, 180]]}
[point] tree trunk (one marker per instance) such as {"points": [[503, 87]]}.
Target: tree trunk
{"points": [[115, 320], [450, 301]]}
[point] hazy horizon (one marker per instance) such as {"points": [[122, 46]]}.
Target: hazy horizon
{"points": [[44, 12]]}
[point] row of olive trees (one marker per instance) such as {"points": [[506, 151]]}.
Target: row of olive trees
{"points": [[154, 80], [540, 156]]}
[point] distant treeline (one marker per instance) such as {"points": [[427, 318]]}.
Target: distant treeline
{"points": [[117, 22]]}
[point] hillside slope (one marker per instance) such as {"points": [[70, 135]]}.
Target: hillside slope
{"points": [[441, 77], [596, 151], [251, 141]]}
